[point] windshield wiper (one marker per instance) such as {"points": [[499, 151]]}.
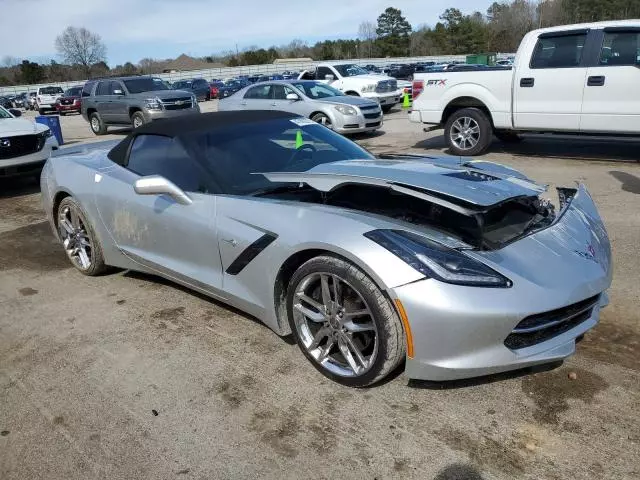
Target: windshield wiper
{"points": [[293, 187]]}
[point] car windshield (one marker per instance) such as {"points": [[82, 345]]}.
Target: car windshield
{"points": [[317, 90], [50, 90], [4, 113], [139, 85], [234, 84], [73, 92], [350, 70], [236, 153]]}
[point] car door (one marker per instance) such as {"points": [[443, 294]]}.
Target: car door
{"points": [[258, 98], [279, 92], [549, 88], [611, 102], [104, 101], [175, 240], [119, 108]]}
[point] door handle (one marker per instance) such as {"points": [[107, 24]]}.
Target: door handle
{"points": [[243, 103], [231, 241], [527, 82], [596, 81]]}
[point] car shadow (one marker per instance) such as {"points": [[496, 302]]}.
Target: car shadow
{"points": [[147, 277], [630, 183], [458, 471], [485, 380], [556, 146], [19, 186]]}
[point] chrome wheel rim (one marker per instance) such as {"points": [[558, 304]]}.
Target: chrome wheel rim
{"points": [[324, 120], [465, 133], [95, 124], [75, 238], [335, 324], [137, 122]]}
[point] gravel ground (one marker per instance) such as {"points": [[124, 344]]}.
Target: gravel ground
{"points": [[127, 376]]}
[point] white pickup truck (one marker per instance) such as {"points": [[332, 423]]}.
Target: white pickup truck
{"points": [[354, 80], [577, 79]]}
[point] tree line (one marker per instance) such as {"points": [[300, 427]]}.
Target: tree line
{"points": [[499, 29]]}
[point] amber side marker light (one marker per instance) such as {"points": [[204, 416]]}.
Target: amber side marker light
{"points": [[407, 327]]}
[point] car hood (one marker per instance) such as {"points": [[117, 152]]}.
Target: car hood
{"points": [[373, 77], [162, 94], [346, 100], [444, 181], [19, 126]]}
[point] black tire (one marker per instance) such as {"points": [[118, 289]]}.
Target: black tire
{"points": [[322, 119], [390, 334], [137, 119], [97, 265], [507, 137], [41, 111], [62, 114], [484, 134], [97, 125], [386, 108]]}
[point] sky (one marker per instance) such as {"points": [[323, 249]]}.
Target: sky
{"points": [[136, 29]]}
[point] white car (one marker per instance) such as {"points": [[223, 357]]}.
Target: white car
{"points": [[576, 79], [46, 98], [355, 80], [25, 146]]}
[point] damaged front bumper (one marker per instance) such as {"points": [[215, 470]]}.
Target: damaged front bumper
{"points": [[560, 276]]}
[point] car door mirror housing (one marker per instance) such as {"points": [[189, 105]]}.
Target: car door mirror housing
{"points": [[157, 185], [293, 97], [329, 77]]}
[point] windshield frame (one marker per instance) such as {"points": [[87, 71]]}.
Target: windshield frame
{"points": [[4, 113]]}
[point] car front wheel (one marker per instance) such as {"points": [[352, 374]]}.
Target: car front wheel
{"points": [[137, 119], [343, 323], [78, 238], [322, 119]]}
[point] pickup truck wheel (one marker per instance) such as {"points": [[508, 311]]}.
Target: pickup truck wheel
{"points": [[507, 137], [387, 108], [137, 119], [97, 125], [468, 132]]}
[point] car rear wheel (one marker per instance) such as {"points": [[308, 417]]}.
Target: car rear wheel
{"points": [[343, 323], [468, 132], [79, 239], [97, 125], [322, 119], [137, 119]]}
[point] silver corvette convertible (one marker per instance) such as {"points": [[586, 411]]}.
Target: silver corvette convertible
{"points": [[456, 269]]}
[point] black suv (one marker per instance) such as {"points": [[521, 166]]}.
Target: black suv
{"points": [[132, 101]]}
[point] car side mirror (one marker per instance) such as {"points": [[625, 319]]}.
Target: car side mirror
{"points": [[293, 97], [118, 92], [157, 185], [15, 112], [329, 77]]}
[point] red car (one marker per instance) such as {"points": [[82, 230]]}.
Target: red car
{"points": [[214, 86], [70, 101]]}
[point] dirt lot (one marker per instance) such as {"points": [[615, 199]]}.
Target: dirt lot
{"points": [[126, 376]]}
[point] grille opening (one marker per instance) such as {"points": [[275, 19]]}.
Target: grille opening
{"points": [[541, 327]]}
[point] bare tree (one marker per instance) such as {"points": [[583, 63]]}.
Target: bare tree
{"points": [[79, 46], [367, 33]]}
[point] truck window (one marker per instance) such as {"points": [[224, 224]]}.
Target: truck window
{"points": [[322, 72], [562, 51], [103, 88], [620, 48]]}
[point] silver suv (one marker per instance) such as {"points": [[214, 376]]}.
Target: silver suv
{"points": [[132, 101]]}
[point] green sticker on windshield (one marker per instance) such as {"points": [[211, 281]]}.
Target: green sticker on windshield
{"points": [[299, 141]]}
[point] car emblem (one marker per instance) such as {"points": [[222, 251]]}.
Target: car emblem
{"points": [[5, 143], [179, 102]]}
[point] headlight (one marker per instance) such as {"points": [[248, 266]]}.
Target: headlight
{"points": [[346, 110], [153, 103], [436, 261], [369, 88]]}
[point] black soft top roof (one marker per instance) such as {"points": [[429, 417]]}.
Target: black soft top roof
{"points": [[178, 126]]}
